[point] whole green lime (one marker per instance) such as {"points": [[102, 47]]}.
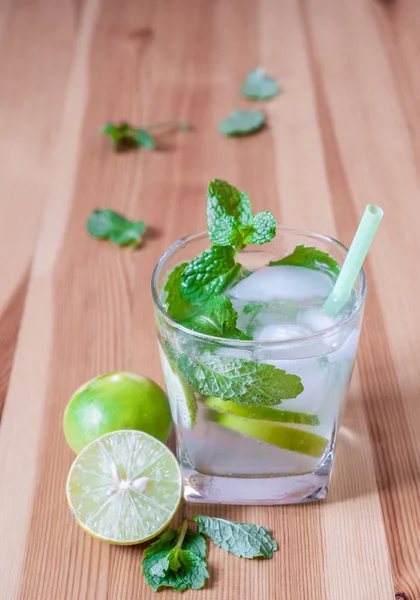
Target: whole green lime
{"points": [[113, 402]]}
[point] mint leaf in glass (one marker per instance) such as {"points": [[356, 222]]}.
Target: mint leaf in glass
{"points": [[176, 305], [243, 381], [209, 274], [309, 257], [241, 539], [242, 122], [217, 317], [258, 86], [176, 561], [104, 223]]}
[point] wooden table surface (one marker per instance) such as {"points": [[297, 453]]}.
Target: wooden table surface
{"points": [[344, 132]]}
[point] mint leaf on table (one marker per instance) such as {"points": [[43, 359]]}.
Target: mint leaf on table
{"points": [[125, 136], [145, 140], [309, 257], [245, 382], [217, 317], [176, 561], [230, 220], [241, 539], [104, 223], [258, 86], [176, 305], [209, 274], [242, 122]]}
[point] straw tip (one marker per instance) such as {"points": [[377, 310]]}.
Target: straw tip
{"points": [[375, 210]]}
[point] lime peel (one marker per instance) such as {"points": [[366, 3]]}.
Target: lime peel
{"points": [[282, 436]]}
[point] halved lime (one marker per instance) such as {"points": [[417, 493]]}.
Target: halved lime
{"points": [[181, 396], [125, 487], [288, 438], [264, 413]]}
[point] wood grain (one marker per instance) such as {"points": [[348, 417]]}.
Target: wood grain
{"points": [[344, 132]]}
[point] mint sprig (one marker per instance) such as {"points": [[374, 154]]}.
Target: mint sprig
{"points": [[309, 257], [258, 86], [242, 539], [125, 136], [246, 382], [178, 558], [230, 220], [104, 223]]}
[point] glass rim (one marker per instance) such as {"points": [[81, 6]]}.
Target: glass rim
{"points": [[332, 329]]}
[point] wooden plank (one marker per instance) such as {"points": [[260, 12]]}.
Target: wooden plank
{"points": [[377, 136]]}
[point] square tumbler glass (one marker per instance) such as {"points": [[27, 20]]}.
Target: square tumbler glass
{"points": [[275, 455]]}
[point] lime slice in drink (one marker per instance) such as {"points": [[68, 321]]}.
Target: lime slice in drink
{"points": [[288, 438], [125, 487], [181, 397], [264, 413]]}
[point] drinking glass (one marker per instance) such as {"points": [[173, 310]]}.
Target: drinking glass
{"points": [[228, 453]]}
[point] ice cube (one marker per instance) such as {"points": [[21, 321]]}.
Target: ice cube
{"points": [[316, 319], [283, 283], [280, 331]]}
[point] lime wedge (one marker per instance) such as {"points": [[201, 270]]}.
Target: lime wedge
{"points": [[125, 487], [181, 397], [264, 413], [288, 438]]}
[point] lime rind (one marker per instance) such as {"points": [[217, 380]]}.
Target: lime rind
{"points": [[262, 413], [275, 434], [125, 487], [181, 397]]}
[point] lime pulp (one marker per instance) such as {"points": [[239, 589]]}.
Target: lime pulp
{"points": [[125, 487]]}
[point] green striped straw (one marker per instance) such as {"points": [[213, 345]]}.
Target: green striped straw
{"points": [[354, 259]]}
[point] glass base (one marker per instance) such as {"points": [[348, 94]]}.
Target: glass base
{"points": [[285, 489]]}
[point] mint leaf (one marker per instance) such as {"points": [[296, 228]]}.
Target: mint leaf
{"points": [[176, 305], [241, 539], [209, 274], [258, 86], [224, 199], [309, 257], [122, 136], [195, 543], [218, 318], [145, 140], [229, 217], [263, 229], [242, 122], [106, 224], [166, 564], [245, 382], [226, 232]]}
